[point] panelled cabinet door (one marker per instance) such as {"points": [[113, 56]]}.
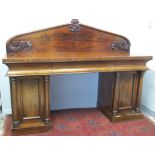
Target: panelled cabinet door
{"points": [[128, 91], [30, 98]]}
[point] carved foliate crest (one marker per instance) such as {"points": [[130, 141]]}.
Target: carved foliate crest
{"points": [[74, 26], [121, 45], [19, 46]]}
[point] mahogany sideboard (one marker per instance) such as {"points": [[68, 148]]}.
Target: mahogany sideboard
{"points": [[72, 48]]}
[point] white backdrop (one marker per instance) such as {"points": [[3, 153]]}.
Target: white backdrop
{"points": [[134, 19]]}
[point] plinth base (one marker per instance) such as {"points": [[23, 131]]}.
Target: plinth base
{"points": [[124, 116], [30, 128]]}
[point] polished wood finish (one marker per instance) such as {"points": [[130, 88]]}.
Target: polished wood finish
{"points": [[55, 42], [15, 117], [30, 103], [124, 89], [33, 57], [106, 64], [47, 105]]}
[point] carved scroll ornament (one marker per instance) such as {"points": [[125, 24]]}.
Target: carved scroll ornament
{"points": [[19, 46], [121, 45], [74, 26]]}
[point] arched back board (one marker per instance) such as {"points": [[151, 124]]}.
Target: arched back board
{"points": [[68, 41]]}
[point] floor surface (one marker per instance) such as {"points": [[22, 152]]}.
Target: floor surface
{"points": [[90, 122]]}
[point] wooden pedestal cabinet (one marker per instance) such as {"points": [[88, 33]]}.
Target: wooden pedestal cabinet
{"points": [[119, 95], [30, 103]]}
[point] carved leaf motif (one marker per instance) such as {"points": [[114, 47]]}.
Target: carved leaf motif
{"points": [[74, 26], [121, 45], [19, 46]]}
